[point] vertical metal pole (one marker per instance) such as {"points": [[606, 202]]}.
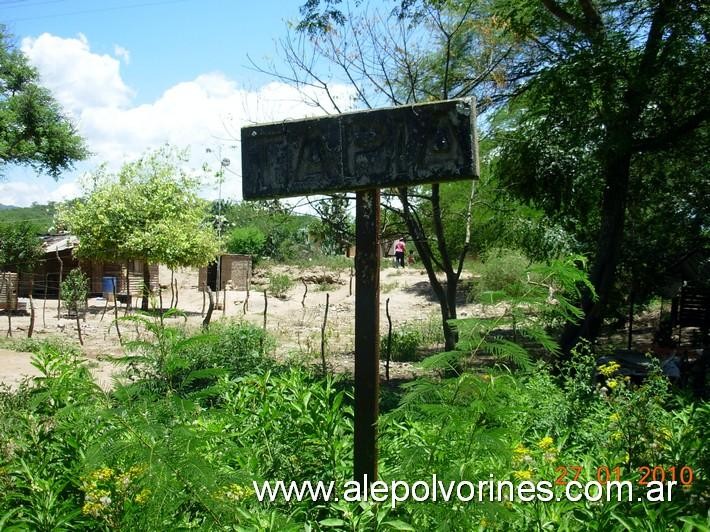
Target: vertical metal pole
{"points": [[367, 333]]}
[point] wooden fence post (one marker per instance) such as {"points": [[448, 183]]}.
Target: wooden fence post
{"points": [[322, 334]]}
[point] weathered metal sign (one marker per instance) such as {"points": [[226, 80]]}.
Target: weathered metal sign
{"points": [[400, 146], [364, 152]]}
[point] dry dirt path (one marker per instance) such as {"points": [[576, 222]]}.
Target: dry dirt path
{"points": [[296, 326], [15, 366]]}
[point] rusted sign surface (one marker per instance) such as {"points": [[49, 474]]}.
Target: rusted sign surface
{"points": [[406, 145]]}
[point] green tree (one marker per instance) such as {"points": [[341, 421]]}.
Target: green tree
{"points": [[605, 112], [33, 130], [149, 211], [608, 137], [421, 51], [20, 247], [335, 230], [286, 233], [247, 240], [20, 251]]}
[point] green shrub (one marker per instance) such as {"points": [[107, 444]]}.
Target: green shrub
{"points": [[239, 347], [318, 260], [177, 361], [280, 284], [502, 275], [75, 290], [405, 342], [34, 345], [247, 240], [75, 458]]}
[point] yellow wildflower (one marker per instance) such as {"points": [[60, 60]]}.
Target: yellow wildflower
{"points": [[546, 443], [610, 368], [103, 473], [136, 470], [525, 474], [612, 383], [236, 492], [92, 508], [142, 497], [615, 417], [665, 433], [520, 449]]}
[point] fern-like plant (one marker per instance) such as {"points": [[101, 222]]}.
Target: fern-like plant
{"points": [[547, 299]]}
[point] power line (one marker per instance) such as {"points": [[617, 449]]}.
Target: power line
{"points": [[100, 10], [10, 4]]}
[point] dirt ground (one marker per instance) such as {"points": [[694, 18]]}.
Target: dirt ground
{"points": [[296, 323]]}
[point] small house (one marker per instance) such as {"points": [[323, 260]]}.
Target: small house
{"points": [[234, 273], [59, 259]]}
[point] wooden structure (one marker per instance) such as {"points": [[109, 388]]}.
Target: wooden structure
{"points": [[363, 151], [234, 273], [690, 314], [59, 260], [8, 291]]}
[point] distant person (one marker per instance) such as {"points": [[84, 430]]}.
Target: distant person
{"points": [[399, 249]]}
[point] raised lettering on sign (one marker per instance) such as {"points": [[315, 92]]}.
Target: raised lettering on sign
{"points": [[401, 146]]}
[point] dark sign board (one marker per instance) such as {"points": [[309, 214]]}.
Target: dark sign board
{"points": [[399, 146]]}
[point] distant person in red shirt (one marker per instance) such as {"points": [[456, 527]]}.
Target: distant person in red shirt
{"points": [[399, 249]]}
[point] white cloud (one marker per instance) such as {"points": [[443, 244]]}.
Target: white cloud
{"points": [[20, 193], [65, 191], [78, 77], [206, 112], [122, 53], [24, 193]]}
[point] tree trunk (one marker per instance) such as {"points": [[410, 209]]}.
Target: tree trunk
{"points": [[4, 278], [603, 273], [31, 328], [172, 288], [447, 302], [208, 316], [146, 286], [115, 313], [44, 303], [78, 325], [128, 288], [59, 289]]}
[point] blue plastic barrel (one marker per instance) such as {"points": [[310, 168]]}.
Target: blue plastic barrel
{"points": [[107, 285]]}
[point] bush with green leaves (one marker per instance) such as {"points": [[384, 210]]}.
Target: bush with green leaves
{"points": [[249, 240], [173, 359], [525, 329], [75, 290], [326, 262], [403, 344], [502, 274], [280, 284], [176, 455]]}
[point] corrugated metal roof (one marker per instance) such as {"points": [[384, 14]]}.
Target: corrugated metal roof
{"points": [[54, 243]]}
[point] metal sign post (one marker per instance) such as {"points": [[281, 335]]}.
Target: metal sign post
{"points": [[367, 332], [363, 152]]}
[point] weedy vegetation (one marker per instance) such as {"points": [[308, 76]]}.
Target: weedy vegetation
{"points": [[200, 416]]}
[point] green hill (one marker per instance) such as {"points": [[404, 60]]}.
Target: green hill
{"points": [[41, 216]]}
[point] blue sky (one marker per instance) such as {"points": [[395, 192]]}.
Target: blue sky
{"points": [[135, 74]]}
